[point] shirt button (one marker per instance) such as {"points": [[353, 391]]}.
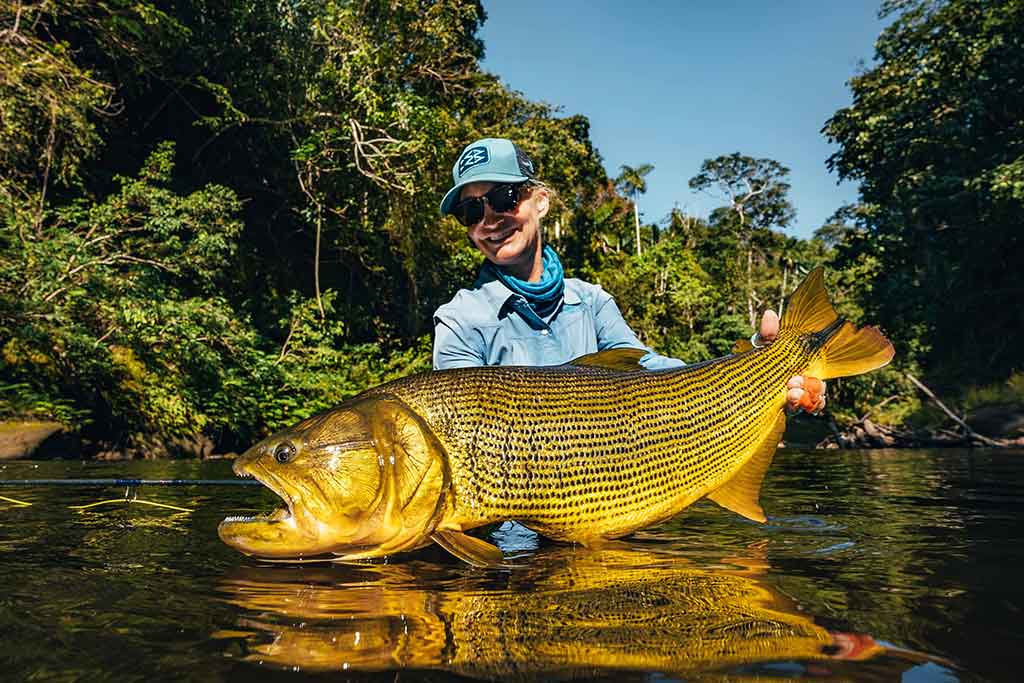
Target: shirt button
{"points": [[545, 332]]}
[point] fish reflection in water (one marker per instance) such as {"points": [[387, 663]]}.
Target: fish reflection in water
{"points": [[568, 611]]}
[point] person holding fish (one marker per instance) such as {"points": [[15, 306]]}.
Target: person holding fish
{"points": [[522, 310], [584, 450]]}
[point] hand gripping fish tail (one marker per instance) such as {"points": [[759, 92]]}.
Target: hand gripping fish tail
{"points": [[585, 452]]}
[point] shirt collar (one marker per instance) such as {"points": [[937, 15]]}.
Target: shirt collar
{"points": [[499, 296]]}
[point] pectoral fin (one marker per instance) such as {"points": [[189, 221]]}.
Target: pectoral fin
{"points": [[469, 549], [740, 494]]}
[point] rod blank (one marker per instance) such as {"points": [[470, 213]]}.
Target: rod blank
{"points": [[129, 482]]}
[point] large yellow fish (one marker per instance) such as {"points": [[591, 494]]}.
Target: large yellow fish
{"points": [[584, 452]]}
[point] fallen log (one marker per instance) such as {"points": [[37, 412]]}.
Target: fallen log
{"points": [[865, 433]]}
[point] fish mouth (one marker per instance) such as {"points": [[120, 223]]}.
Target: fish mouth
{"points": [[281, 514]]}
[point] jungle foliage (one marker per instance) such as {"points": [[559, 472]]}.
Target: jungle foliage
{"points": [[217, 218]]}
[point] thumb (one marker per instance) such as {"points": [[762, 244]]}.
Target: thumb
{"points": [[769, 329]]}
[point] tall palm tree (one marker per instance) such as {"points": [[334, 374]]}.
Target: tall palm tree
{"points": [[633, 182]]}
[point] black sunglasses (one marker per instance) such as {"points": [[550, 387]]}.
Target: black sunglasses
{"points": [[502, 198]]}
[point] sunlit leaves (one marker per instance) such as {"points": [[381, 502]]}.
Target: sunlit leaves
{"points": [[936, 136]]}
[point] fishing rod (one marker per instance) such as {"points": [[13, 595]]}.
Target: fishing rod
{"points": [[131, 488], [129, 482]]}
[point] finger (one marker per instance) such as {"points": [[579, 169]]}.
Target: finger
{"points": [[793, 397], [769, 328], [796, 382], [808, 401], [814, 385]]}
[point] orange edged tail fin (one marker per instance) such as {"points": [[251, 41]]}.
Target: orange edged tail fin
{"points": [[851, 352], [848, 351]]}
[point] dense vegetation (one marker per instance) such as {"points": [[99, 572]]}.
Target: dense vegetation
{"points": [[216, 218]]}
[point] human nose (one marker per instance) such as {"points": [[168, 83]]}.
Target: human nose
{"points": [[490, 219]]}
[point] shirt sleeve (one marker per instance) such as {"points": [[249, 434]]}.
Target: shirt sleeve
{"points": [[614, 333], [452, 349]]}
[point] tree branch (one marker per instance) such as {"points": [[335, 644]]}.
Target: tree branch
{"points": [[970, 432]]}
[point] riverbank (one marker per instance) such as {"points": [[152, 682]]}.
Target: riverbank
{"points": [[41, 440], [996, 426], [23, 439]]}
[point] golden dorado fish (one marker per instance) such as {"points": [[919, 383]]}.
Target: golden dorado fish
{"points": [[584, 452]]}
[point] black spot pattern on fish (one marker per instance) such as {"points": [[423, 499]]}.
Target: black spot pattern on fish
{"points": [[587, 452]]}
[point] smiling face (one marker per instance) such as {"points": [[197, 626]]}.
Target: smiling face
{"points": [[511, 240]]}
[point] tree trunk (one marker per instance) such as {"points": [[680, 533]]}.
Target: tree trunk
{"points": [[750, 287], [782, 292], [636, 216], [316, 260]]}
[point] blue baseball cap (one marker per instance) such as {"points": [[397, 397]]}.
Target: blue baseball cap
{"points": [[495, 160]]}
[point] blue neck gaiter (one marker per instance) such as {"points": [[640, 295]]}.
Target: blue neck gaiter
{"points": [[544, 296]]}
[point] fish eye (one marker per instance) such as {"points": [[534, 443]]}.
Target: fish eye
{"points": [[285, 452]]}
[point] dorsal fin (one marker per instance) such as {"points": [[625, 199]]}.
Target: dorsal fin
{"points": [[624, 360], [740, 494], [741, 346], [809, 309]]}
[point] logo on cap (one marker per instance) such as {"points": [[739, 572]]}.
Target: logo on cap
{"points": [[474, 156]]}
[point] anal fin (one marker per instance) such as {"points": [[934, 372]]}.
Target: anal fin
{"points": [[740, 494], [469, 549]]}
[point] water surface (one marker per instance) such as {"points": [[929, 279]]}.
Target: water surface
{"points": [[874, 566]]}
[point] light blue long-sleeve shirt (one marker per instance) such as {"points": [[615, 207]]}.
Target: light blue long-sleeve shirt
{"points": [[481, 326]]}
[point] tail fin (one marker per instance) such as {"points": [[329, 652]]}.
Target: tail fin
{"points": [[809, 309], [848, 351]]}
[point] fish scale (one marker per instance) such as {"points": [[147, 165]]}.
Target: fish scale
{"points": [[581, 452]]}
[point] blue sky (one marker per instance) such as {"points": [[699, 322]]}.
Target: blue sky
{"points": [[674, 83]]}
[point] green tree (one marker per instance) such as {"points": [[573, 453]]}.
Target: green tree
{"points": [[667, 298], [633, 181], [756, 194], [935, 140], [280, 248]]}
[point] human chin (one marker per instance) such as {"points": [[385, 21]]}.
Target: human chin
{"points": [[510, 250]]}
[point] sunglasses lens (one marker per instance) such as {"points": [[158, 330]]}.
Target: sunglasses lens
{"points": [[504, 198], [470, 211]]}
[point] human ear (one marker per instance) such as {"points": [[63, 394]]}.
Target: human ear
{"points": [[543, 202]]}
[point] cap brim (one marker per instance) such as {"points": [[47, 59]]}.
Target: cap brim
{"points": [[453, 194]]}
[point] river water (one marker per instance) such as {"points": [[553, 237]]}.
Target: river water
{"points": [[874, 566]]}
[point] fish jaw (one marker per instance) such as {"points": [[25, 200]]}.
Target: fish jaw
{"points": [[367, 479], [273, 535], [262, 537]]}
